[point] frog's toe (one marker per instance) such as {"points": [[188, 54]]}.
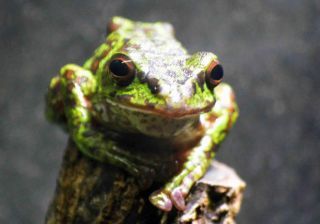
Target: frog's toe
{"points": [[180, 192], [178, 198], [161, 200]]}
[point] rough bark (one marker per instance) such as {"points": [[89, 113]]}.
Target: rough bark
{"points": [[92, 192]]}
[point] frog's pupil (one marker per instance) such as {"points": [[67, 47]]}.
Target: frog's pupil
{"points": [[119, 68], [217, 73]]}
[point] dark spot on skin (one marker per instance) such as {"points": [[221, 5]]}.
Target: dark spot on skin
{"points": [[194, 88], [95, 65], [104, 54], [212, 117], [112, 27], [200, 80], [153, 85], [68, 74]]}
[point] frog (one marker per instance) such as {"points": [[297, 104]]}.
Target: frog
{"points": [[145, 105]]}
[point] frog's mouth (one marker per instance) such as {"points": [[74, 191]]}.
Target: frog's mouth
{"points": [[165, 111]]}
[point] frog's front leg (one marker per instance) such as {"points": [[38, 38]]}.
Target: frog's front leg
{"points": [[216, 123], [69, 100]]}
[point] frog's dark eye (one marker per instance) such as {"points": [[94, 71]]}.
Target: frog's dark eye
{"points": [[214, 74], [122, 70]]}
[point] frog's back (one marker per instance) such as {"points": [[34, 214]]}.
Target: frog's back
{"points": [[153, 39]]}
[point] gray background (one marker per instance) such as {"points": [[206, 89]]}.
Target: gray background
{"points": [[270, 52]]}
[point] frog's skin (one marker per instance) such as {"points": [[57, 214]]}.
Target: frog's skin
{"points": [[166, 105]]}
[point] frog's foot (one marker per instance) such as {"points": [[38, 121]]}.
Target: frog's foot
{"points": [[161, 200], [176, 191]]}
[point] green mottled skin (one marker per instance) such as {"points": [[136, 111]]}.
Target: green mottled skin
{"points": [[136, 128]]}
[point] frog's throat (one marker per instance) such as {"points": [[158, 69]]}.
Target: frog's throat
{"points": [[181, 112]]}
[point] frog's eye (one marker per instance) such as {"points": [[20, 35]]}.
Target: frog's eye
{"points": [[122, 70], [214, 74]]}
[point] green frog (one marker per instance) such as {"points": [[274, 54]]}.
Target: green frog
{"points": [[142, 103]]}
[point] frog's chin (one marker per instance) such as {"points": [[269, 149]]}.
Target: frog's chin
{"points": [[169, 112]]}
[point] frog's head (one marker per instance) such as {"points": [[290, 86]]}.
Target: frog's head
{"points": [[148, 70]]}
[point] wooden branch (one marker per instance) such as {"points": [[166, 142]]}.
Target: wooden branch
{"points": [[92, 192]]}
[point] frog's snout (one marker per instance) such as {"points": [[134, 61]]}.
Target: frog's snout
{"points": [[186, 99]]}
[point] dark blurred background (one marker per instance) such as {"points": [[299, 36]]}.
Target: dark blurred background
{"points": [[270, 51]]}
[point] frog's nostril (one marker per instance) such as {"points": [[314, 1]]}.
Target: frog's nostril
{"points": [[153, 85]]}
